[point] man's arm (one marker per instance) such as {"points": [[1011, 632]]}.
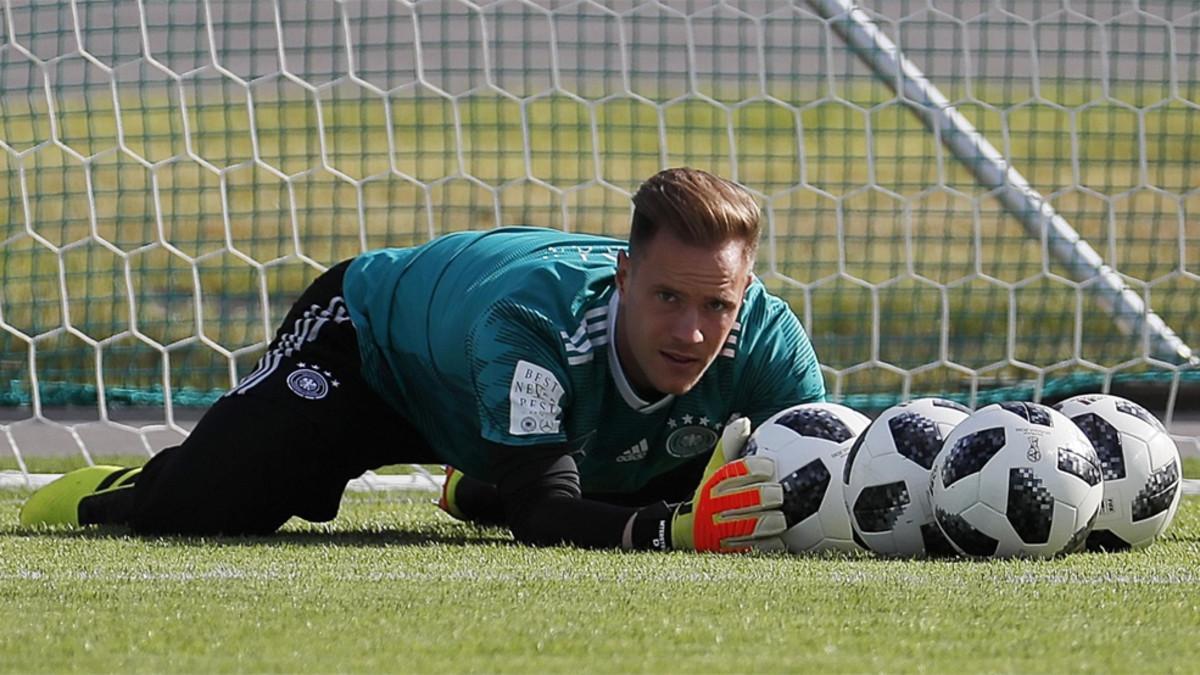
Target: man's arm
{"points": [[547, 518], [539, 489], [735, 507], [476, 501]]}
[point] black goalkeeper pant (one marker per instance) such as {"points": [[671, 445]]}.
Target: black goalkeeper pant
{"points": [[284, 442]]}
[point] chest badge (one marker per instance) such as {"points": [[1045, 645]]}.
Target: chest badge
{"points": [[308, 383], [690, 439]]}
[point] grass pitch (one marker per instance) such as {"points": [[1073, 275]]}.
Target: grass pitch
{"points": [[394, 585]]}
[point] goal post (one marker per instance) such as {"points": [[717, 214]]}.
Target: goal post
{"points": [[1006, 183], [980, 200]]}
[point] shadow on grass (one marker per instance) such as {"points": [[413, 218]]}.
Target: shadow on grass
{"points": [[375, 537]]}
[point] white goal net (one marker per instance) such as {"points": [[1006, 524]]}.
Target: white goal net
{"points": [[986, 201]]}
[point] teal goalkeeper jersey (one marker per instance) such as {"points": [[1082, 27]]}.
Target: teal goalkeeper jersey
{"points": [[508, 336]]}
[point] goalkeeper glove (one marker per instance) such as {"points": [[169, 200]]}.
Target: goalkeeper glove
{"points": [[736, 507], [448, 502]]}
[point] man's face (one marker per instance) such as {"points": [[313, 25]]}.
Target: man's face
{"points": [[678, 304]]}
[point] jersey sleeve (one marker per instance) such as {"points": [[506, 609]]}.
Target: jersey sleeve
{"points": [[519, 377], [783, 369]]}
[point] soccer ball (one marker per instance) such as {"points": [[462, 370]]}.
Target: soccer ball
{"points": [[1016, 479], [1140, 464], [809, 443], [886, 479]]}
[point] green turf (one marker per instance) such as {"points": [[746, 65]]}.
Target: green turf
{"points": [[396, 586]]}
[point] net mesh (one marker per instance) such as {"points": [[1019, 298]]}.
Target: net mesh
{"points": [[174, 173]]}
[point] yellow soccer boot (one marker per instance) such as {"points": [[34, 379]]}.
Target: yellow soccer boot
{"points": [[57, 503]]}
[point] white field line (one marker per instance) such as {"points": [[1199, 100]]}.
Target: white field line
{"points": [[368, 482]]}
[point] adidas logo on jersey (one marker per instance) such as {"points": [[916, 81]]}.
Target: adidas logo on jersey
{"points": [[635, 453]]}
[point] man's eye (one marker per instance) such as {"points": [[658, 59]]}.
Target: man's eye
{"points": [[665, 296], [718, 306]]}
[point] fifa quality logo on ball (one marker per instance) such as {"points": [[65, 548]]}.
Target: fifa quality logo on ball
{"points": [[1034, 453]]}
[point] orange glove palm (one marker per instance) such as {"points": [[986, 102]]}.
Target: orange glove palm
{"points": [[736, 506]]}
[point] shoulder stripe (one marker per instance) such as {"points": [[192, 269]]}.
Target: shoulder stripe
{"points": [[579, 334], [586, 326], [591, 333], [582, 349], [587, 345]]}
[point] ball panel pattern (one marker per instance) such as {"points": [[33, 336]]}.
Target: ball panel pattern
{"points": [[936, 544], [1107, 441], [1131, 408], [858, 443], [815, 423], [887, 476], [1158, 493], [803, 490], [965, 537], [1079, 540], [1030, 506], [879, 507], [859, 540], [916, 437], [1004, 494], [1137, 508], [1032, 412], [970, 453], [947, 403], [1083, 466]]}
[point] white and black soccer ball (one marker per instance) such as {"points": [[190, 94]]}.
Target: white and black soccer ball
{"points": [[809, 443], [886, 478], [1016, 479], [1141, 468]]}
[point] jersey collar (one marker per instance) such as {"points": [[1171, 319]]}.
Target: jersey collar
{"points": [[618, 373]]}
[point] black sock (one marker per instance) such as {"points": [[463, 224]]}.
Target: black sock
{"points": [[111, 507], [479, 501]]}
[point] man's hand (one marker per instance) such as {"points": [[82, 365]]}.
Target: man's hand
{"points": [[736, 506]]}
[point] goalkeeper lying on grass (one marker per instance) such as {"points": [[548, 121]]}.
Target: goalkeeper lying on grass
{"points": [[577, 384]]}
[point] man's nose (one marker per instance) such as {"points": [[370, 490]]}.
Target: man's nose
{"points": [[687, 329]]}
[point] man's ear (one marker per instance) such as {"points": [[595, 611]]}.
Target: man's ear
{"points": [[623, 266]]}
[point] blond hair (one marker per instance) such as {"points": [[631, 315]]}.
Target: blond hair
{"points": [[697, 207]]}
